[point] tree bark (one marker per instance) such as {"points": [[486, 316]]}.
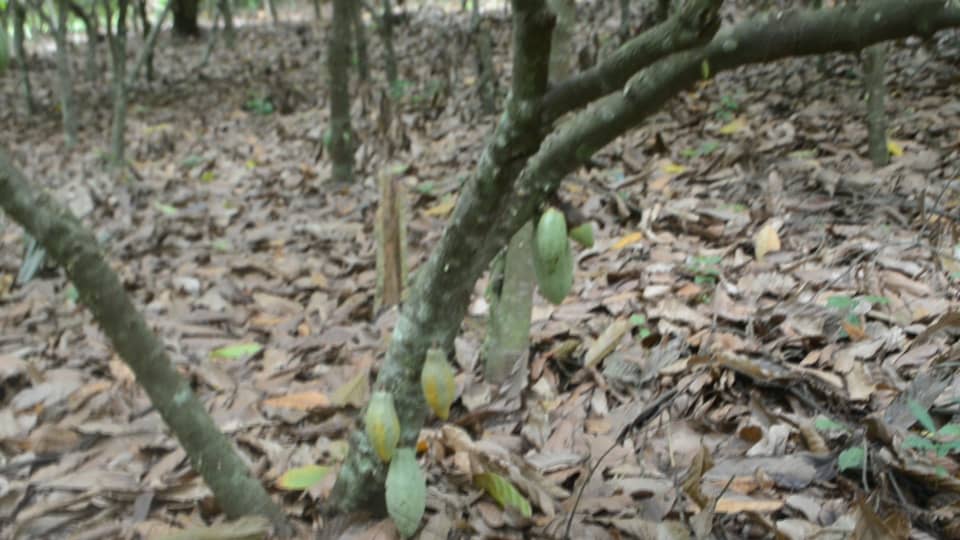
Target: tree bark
{"points": [[75, 249], [873, 64], [340, 138]]}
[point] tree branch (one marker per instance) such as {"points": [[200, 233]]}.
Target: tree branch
{"points": [[691, 26], [764, 38]]}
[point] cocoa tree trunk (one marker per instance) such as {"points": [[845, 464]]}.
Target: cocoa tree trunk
{"points": [[519, 167]]}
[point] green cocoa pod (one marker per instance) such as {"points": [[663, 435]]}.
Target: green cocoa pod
{"points": [[550, 240], [583, 234], [555, 278], [406, 492]]}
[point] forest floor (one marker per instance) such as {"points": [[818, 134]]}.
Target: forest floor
{"points": [[794, 306]]}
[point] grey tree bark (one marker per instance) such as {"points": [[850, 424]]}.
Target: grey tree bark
{"points": [[340, 138]]}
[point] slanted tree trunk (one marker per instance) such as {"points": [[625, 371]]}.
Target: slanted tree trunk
{"points": [[185, 14], [211, 43], [521, 166], [76, 250], [873, 64], [340, 136]]}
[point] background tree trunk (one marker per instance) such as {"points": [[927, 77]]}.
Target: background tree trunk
{"points": [[145, 58], [873, 64], [185, 18], [63, 75], [118, 63], [229, 30], [340, 138], [390, 56]]}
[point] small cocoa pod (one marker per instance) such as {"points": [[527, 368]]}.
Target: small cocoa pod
{"points": [[382, 424], [439, 387]]}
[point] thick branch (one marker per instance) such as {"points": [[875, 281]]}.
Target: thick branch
{"points": [[691, 26], [75, 249], [765, 38]]}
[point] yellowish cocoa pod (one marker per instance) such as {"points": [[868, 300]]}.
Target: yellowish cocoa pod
{"points": [[439, 387], [382, 424]]}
